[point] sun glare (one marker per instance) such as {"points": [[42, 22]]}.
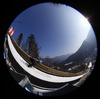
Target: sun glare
{"points": [[84, 21], [85, 26]]}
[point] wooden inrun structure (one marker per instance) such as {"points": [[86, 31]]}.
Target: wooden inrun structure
{"points": [[41, 66]]}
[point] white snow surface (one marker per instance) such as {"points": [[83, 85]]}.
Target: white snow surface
{"points": [[37, 73]]}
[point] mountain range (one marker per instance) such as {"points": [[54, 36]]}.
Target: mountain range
{"points": [[60, 58], [87, 49]]}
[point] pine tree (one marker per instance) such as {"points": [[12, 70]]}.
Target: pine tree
{"points": [[19, 39], [33, 49], [24, 46]]}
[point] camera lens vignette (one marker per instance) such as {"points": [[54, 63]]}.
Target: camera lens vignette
{"points": [[50, 47]]}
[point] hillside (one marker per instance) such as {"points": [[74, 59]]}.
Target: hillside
{"points": [[87, 49], [60, 58]]}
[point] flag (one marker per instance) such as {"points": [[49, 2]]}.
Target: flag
{"points": [[11, 31]]}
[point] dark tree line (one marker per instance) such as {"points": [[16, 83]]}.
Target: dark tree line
{"points": [[29, 46], [19, 39], [33, 49]]}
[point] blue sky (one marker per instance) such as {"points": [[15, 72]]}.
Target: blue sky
{"points": [[58, 29]]}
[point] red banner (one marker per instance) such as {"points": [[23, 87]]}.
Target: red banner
{"points": [[11, 31]]}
